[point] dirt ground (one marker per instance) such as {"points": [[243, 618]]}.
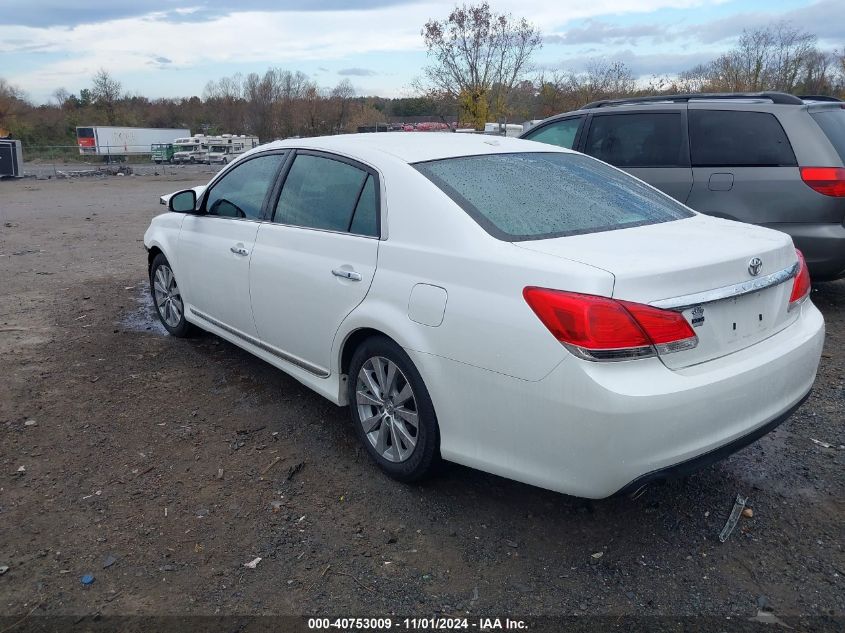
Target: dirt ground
{"points": [[161, 466]]}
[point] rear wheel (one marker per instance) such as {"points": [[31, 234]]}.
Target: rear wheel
{"points": [[168, 298], [391, 410]]}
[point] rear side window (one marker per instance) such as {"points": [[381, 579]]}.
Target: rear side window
{"points": [[560, 133], [832, 123], [729, 138], [321, 193], [651, 139], [538, 195]]}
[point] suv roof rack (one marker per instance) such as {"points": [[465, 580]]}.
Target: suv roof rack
{"points": [[780, 98], [820, 98]]}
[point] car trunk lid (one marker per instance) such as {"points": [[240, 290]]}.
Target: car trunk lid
{"points": [[691, 265]]}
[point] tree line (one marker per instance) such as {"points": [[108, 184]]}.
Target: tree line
{"points": [[480, 69]]}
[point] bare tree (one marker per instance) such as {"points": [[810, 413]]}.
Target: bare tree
{"points": [[105, 93], [60, 96], [341, 95], [261, 95], [478, 56], [226, 97], [774, 57], [818, 73]]}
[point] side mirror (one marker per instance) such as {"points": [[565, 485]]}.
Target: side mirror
{"points": [[183, 202]]}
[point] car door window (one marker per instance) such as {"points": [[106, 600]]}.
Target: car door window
{"points": [[650, 139], [240, 192], [365, 219], [733, 138], [321, 193], [560, 133]]}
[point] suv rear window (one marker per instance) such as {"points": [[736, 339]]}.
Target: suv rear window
{"points": [[733, 138], [651, 139], [832, 123], [539, 195]]}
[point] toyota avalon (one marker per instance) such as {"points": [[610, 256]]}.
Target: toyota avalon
{"points": [[508, 305]]}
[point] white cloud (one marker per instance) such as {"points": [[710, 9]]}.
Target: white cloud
{"points": [[263, 37]]}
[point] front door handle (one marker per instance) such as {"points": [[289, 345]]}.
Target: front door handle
{"points": [[351, 275], [239, 250]]}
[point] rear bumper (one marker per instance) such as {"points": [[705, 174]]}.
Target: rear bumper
{"points": [[690, 466], [591, 429], [823, 246]]}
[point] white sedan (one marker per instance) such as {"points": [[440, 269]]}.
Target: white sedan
{"points": [[504, 304]]}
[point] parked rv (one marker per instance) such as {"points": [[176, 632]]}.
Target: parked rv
{"points": [[503, 129], [190, 149], [226, 147], [116, 143]]}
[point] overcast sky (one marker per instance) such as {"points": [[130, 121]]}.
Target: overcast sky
{"points": [[165, 48]]}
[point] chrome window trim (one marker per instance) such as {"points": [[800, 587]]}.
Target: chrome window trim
{"points": [[275, 351], [727, 292]]}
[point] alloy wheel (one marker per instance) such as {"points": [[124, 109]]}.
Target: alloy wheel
{"points": [[387, 409], [167, 296]]}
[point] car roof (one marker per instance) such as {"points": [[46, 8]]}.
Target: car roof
{"points": [[413, 147]]}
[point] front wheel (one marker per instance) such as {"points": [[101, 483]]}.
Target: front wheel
{"points": [[392, 411], [168, 298]]}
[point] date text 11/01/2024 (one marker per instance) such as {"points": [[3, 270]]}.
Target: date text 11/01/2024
{"points": [[417, 624]]}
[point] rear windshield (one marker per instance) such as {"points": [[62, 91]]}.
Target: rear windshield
{"points": [[538, 195], [832, 123]]}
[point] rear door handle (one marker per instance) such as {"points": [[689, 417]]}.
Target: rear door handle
{"points": [[239, 250], [351, 275]]}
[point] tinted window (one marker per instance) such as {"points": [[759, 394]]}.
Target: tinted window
{"points": [[320, 193], [725, 138], [560, 133], [365, 221], [240, 193], [539, 195], [832, 123], [636, 140]]}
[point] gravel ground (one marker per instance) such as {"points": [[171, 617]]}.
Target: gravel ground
{"points": [[161, 466], [46, 170]]}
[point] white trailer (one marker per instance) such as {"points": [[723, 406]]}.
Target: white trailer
{"points": [[503, 129], [191, 149], [119, 142], [226, 147]]}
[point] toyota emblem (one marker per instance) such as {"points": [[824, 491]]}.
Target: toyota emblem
{"points": [[754, 266]]}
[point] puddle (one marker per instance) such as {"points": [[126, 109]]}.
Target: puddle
{"points": [[143, 317]]}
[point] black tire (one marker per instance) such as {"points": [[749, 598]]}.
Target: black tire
{"points": [[180, 328], [425, 455]]}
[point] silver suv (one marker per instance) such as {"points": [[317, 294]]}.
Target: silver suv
{"points": [[767, 158]]}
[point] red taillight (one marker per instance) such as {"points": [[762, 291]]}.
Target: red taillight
{"points": [[829, 181], [599, 328], [801, 283]]}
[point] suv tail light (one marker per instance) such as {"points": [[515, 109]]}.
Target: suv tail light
{"points": [[829, 181], [599, 328], [801, 282]]}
